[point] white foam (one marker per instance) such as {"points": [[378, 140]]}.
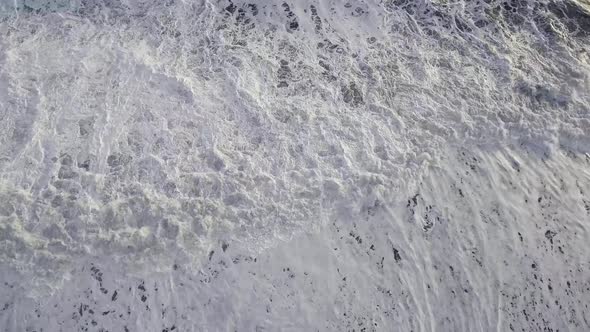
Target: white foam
{"points": [[140, 135]]}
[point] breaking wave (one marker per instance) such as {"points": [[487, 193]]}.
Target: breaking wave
{"points": [[437, 146]]}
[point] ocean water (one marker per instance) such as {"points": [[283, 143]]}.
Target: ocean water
{"points": [[378, 165]]}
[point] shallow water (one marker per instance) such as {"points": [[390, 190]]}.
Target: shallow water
{"points": [[298, 166]]}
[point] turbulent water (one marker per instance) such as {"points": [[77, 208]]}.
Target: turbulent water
{"points": [[204, 165]]}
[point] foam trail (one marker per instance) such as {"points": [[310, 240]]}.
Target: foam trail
{"points": [[189, 165]]}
